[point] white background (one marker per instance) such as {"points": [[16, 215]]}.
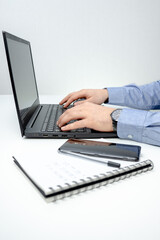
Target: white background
{"points": [[85, 43]]}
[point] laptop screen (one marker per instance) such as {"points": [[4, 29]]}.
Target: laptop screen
{"points": [[23, 74]]}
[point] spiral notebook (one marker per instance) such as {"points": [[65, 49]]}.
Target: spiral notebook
{"points": [[62, 177]]}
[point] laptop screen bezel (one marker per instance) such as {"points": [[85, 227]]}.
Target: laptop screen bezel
{"points": [[22, 121]]}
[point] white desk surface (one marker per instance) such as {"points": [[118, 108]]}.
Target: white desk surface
{"points": [[128, 209]]}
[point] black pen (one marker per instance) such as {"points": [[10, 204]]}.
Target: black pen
{"points": [[113, 164]]}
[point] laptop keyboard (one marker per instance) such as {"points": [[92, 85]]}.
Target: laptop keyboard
{"points": [[53, 114]]}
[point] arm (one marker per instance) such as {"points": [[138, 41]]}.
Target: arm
{"points": [[139, 125], [143, 97]]}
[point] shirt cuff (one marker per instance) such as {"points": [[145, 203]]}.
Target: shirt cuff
{"points": [[131, 124]]}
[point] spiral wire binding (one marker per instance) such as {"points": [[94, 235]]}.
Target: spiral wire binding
{"points": [[100, 180]]}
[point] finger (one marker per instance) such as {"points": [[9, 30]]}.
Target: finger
{"points": [[76, 96], [71, 98], [75, 125], [81, 102], [71, 114], [65, 99], [69, 101]]}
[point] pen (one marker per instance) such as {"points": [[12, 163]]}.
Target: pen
{"points": [[92, 157], [113, 164]]}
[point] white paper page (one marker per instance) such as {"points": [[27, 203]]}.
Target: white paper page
{"points": [[56, 172]]}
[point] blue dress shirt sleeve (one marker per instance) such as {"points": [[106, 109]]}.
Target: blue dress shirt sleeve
{"points": [[135, 124], [141, 97]]}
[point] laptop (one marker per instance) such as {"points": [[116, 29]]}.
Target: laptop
{"points": [[36, 120]]}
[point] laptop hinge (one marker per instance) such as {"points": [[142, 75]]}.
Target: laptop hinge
{"points": [[34, 117]]}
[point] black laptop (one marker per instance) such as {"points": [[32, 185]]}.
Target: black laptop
{"points": [[36, 120]]}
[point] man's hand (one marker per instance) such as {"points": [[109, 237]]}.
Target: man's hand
{"points": [[89, 115], [97, 96]]}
